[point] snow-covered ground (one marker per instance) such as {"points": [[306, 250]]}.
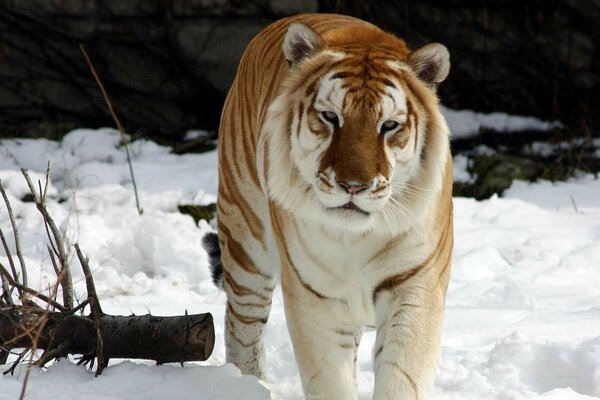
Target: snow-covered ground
{"points": [[523, 306], [466, 123]]}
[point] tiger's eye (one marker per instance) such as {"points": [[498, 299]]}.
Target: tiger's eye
{"points": [[389, 125], [331, 117]]}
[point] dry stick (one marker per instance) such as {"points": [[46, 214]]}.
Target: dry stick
{"points": [[53, 259], [30, 291], [11, 370], [117, 121], [51, 245], [11, 216], [66, 282], [6, 292], [94, 305], [9, 256]]}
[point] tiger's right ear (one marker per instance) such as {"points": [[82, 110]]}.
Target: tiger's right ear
{"points": [[300, 41]]}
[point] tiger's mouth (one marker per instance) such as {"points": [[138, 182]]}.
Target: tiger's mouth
{"points": [[350, 206]]}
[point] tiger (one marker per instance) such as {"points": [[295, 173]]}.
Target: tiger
{"points": [[335, 179]]}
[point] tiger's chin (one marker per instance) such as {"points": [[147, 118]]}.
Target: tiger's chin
{"points": [[348, 217], [349, 209]]}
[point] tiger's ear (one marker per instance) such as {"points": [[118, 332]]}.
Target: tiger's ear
{"points": [[300, 41], [431, 63]]}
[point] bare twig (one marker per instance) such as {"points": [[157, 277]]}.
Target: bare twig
{"points": [[10, 259], [89, 281], [11, 370], [16, 235], [46, 227], [66, 282], [30, 291], [53, 260], [55, 352], [574, 204], [95, 306], [79, 307], [117, 122]]}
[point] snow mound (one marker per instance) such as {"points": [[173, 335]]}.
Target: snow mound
{"points": [[466, 123], [133, 381]]}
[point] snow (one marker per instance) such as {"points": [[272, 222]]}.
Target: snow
{"points": [[465, 124], [579, 195], [523, 310]]}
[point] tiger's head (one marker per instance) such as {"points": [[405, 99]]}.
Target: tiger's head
{"points": [[365, 146]]}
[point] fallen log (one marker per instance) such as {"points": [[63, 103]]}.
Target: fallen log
{"points": [[162, 339]]}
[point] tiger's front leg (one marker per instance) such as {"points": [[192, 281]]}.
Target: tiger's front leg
{"points": [[407, 347], [324, 340]]}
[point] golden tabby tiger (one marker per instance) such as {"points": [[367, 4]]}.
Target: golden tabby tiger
{"points": [[335, 174]]}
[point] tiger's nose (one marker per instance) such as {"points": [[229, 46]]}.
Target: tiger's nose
{"points": [[352, 187]]}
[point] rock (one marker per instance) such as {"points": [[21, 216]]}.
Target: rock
{"points": [[197, 212], [495, 173]]}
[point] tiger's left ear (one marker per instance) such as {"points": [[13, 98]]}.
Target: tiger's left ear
{"points": [[431, 63], [300, 41]]}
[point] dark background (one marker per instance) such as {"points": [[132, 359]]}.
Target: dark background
{"points": [[167, 64]]}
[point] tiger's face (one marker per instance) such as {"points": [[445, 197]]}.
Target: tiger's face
{"points": [[357, 123], [356, 140]]}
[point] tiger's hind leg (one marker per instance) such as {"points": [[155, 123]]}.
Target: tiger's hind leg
{"points": [[249, 291], [245, 320]]}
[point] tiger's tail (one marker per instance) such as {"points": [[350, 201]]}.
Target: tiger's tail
{"points": [[210, 243]]}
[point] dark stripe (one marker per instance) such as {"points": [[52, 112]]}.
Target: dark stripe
{"points": [[325, 182], [389, 83], [411, 114], [378, 352], [239, 254], [300, 116], [249, 217], [315, 71], [241, 290], [269, 93], [245, 319], [341, 75], [398, 279], [311, 86], [447, 263], [249, 304], [315, 260], [412, 383], [230, 330], [288, 259], [306, 285], [248, 137], [266, 162], [392, 98]]}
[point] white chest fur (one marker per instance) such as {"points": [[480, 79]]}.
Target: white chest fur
{"points": [[348, 268]]}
